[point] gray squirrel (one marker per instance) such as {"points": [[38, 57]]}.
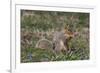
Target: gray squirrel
{"points": [[59, 41]]}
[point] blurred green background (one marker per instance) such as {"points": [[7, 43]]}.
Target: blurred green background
{"points": [[39, 24]]}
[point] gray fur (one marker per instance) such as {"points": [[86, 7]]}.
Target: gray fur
{"points": [[59, 41]]}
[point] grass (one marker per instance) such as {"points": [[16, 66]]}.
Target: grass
{"points": [[41, 24], [44, 55]]}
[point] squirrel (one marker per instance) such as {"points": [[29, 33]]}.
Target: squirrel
{"points": [[59, 41]]}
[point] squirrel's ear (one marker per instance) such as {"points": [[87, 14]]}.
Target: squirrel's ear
{"points": [[66, 28]]}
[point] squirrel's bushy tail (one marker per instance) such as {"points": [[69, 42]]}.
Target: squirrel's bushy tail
{"points": [[44, 44]]}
